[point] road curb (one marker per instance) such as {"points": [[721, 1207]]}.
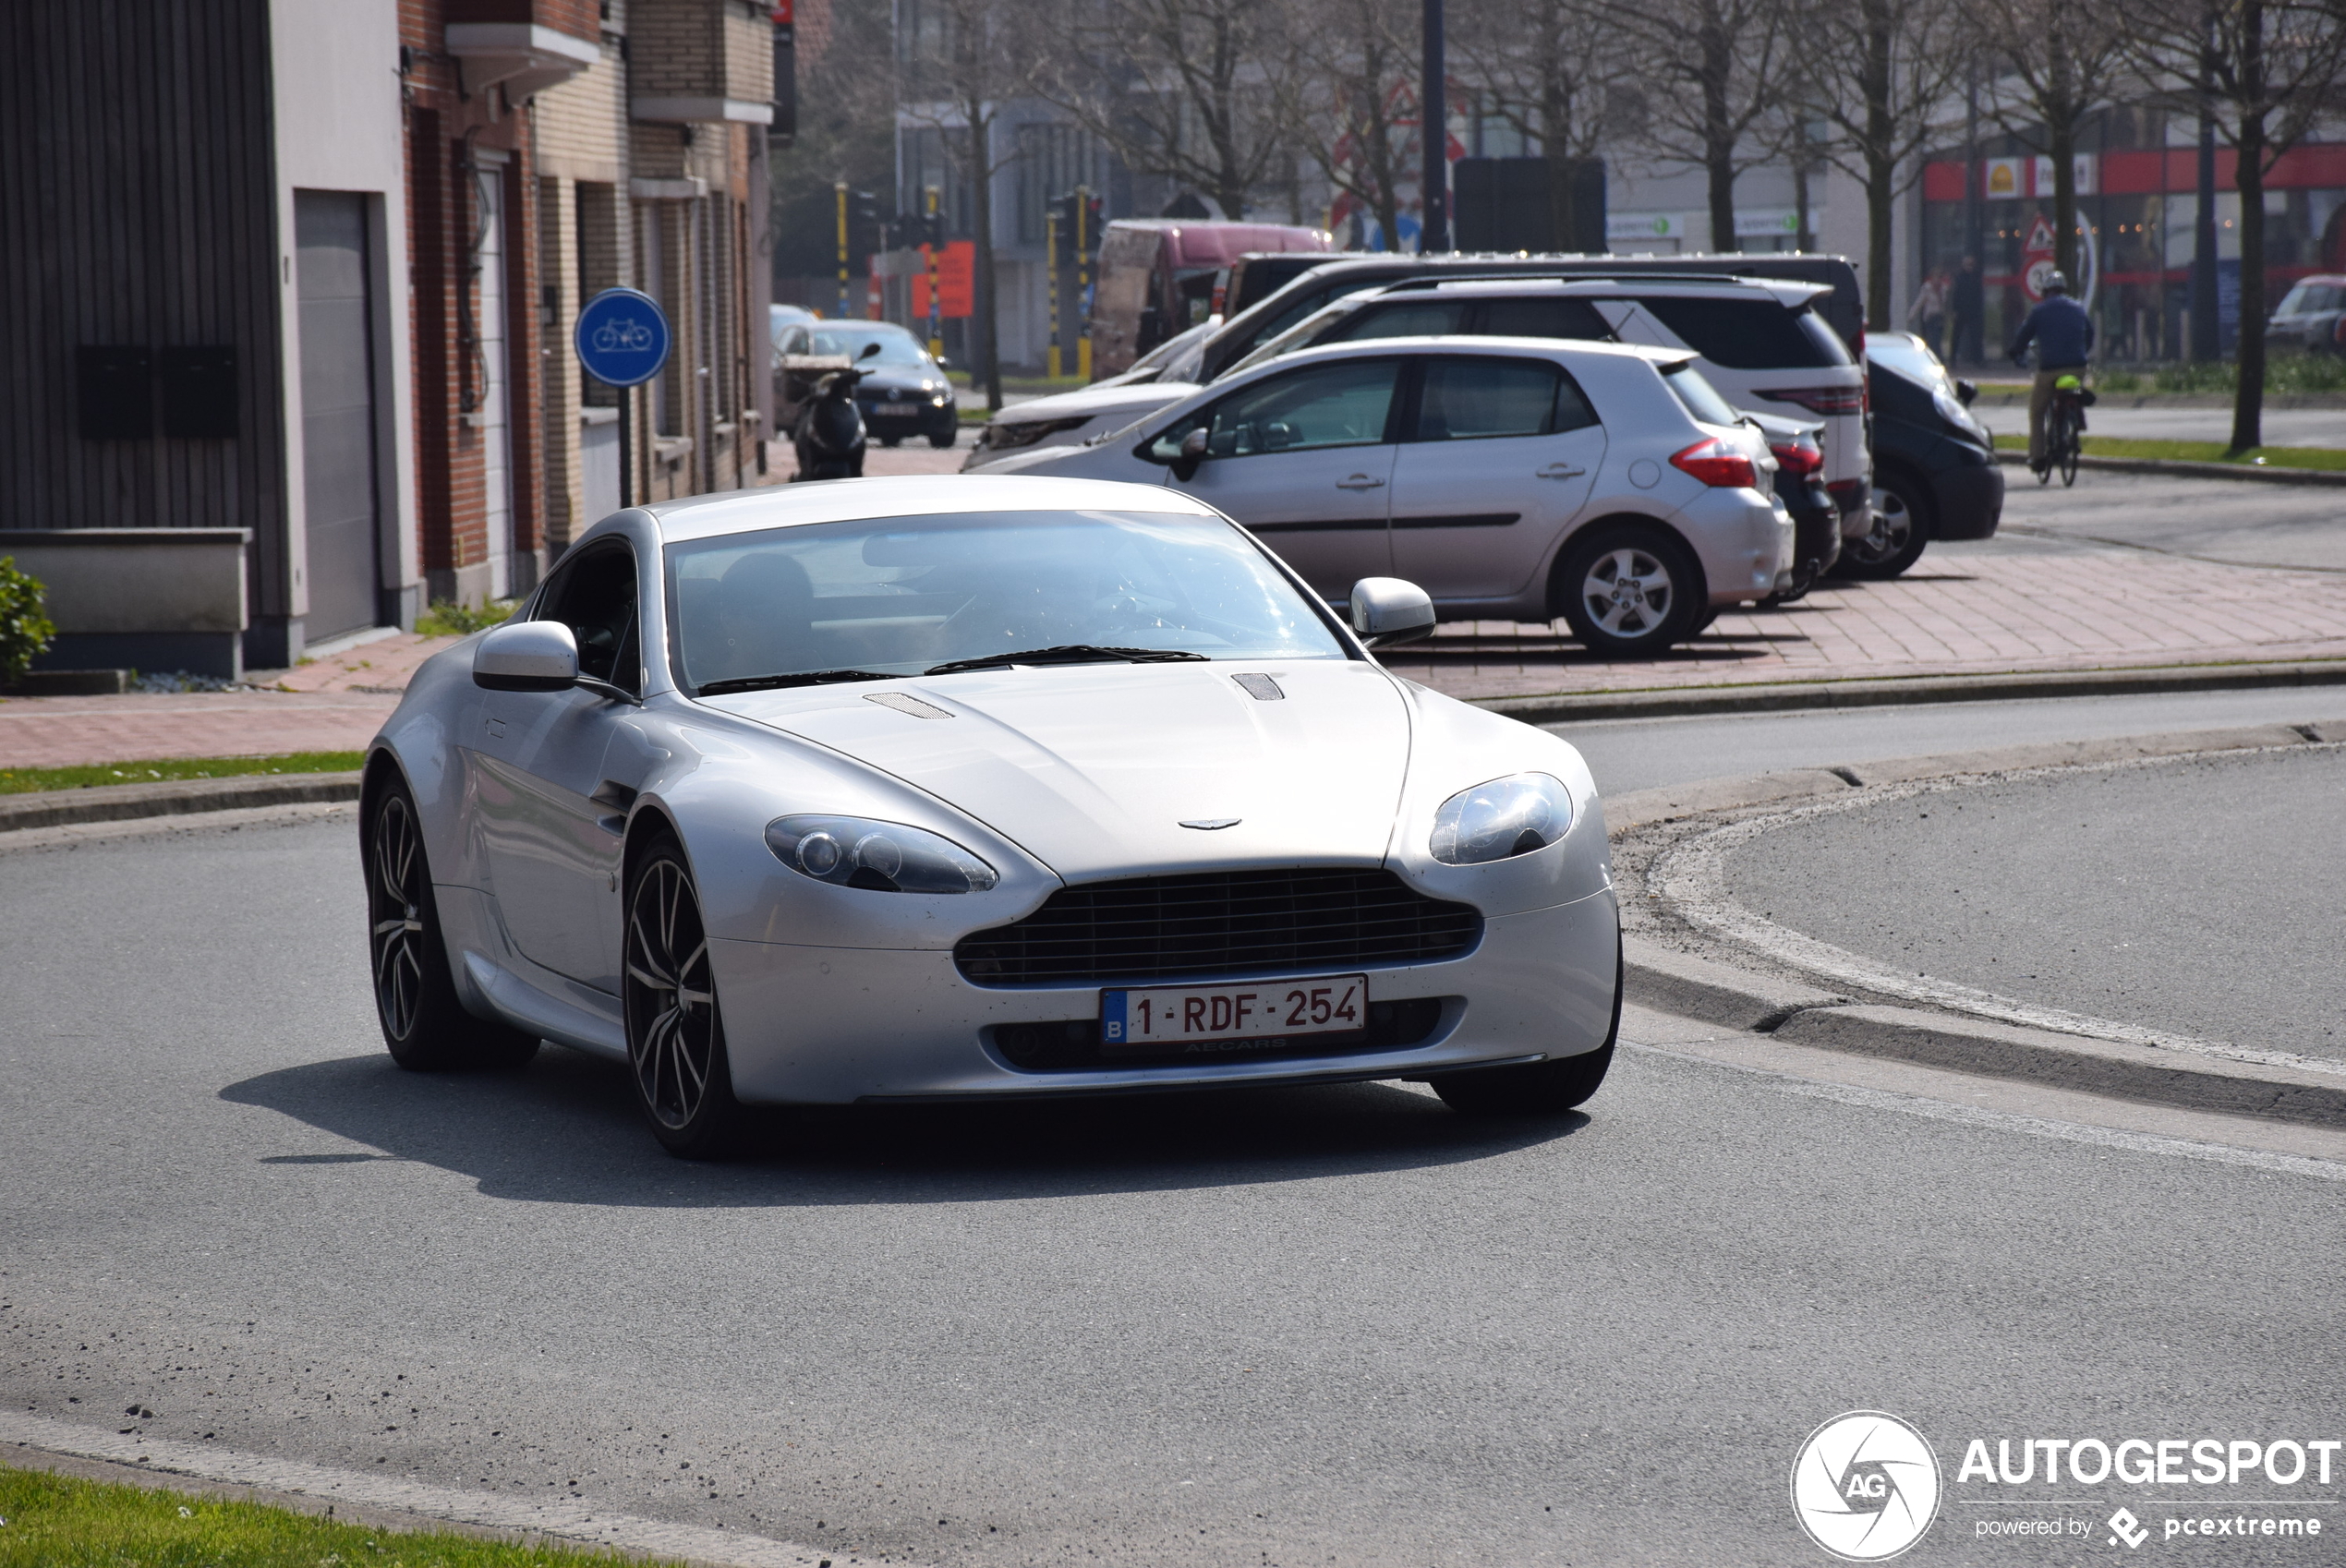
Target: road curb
{"points": [[1784, 697], [2180, 469], [1709, 990], [178, 797]]}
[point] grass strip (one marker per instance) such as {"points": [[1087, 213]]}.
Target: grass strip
{"points": [[65, 1522], [24, 780], [2330, 459]]}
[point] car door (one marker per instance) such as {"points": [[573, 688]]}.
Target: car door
{"points": [[557, 771], [1304, 460], [1499, 457]]}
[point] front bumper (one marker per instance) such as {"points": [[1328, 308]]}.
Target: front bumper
{"points": [[833, 1025], [908, 419], [1970, 500]]}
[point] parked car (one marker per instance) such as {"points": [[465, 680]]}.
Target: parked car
{"points": [[1935, 470], [1164, 373], [904, 394], [1073, 787], [2311, 316], [1512, 479], [1800, 485], [1158, 277]]}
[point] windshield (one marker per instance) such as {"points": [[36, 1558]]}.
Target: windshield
{"points": [[897, 347], [2308, 297], [1297, 337], [1910, 358], [899, 595], [1699, 396]]}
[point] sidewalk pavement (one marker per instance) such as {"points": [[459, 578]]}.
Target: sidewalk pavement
{"points": [[2003, 606]]}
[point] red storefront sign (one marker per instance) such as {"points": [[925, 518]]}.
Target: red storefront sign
{"points": [[956, 281]]}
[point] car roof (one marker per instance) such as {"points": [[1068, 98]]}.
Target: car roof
{"points": [[916, 495], [1786, 292], [1545, 348]]}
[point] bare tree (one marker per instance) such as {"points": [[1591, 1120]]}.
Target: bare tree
{"points": [[1349, 103], [1548, 69], [2055, 62], [2266, 72], [1717, 71], [965, 63], [1184, 89], [1877, 72]]}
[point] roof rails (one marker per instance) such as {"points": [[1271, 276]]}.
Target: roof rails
{"points": [[1437, 280]]}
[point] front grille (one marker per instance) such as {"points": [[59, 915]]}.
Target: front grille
{"points": [[1219, 923]]}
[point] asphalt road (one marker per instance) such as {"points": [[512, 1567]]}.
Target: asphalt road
{"points": [[2197, 896], [1328, 1326], [2248, 522]]}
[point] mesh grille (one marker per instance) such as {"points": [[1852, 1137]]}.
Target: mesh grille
{"points": [[1219, 923]]}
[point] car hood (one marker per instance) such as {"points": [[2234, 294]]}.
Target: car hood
{"points": [[1093, 768], [1091, 402], [897, 379]]}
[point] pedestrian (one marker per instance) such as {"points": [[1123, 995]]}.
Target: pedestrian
{"points": [[1967, 305], [1929, 310], [2063, 334]]}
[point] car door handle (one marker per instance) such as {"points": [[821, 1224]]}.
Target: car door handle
{"points": [[1561, 471], [1359, 482]]}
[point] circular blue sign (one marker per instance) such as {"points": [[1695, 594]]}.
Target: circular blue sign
{"points": [[621, 338]]}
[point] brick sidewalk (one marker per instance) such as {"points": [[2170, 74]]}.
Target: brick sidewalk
{"points": [[1993, 608]]}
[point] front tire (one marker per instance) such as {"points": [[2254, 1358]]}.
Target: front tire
{"points": [[1534, 1088], [675, 1034], [425, 1027], [1629, 592], [1902, 525]]}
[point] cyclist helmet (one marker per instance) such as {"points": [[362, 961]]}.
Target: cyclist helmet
{"points": [[2056, 283]]}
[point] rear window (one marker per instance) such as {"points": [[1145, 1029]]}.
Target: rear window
{"points": [[1748, 334], [1698, 396], [1414, 319]]}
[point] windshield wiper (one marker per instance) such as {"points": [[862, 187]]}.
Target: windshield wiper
{"points": [[803, 678], [1070, 653]]}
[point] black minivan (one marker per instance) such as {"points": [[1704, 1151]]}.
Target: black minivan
{"points": [[1934, 465]]}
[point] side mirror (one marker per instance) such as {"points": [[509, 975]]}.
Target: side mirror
{"points": [[1193, 453], [1965, 392], [1386, 610], [869, 349], [526, 656], [943, 363]]}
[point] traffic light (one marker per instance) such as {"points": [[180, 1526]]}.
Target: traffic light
{"points": [[866, 225], [1078, 226]]}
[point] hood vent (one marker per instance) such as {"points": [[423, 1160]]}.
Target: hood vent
{"points": [[1262, 688]]}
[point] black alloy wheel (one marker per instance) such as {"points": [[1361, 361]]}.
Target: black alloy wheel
{"points": [[425, 1027], [675, 1035]]}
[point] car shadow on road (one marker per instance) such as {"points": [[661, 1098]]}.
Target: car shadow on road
{"points": [[565, 1130]]}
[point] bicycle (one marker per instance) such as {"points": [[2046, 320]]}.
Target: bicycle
{"points": [[2065, 430]]}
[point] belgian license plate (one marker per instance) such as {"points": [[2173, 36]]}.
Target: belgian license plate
{"points": [[1178, 1017], [898, 408]]}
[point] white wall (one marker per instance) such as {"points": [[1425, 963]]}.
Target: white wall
{"points": [[335, 67]]}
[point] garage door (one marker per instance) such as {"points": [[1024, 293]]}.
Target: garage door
{"points": [[337, 412]]}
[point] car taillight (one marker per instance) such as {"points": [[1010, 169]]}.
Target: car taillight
{"points": [[1821, 400], [1716, 464], [1798, 461]]}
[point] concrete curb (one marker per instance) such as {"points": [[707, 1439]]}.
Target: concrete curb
{"points": [[1693, 986], [1777, 697], [2179, 469], [119, 802]]}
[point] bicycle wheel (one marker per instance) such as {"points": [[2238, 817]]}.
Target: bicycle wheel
{"points": [[2069, 443]]}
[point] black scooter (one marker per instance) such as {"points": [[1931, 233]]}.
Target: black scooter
{"points": [[829, 439]]}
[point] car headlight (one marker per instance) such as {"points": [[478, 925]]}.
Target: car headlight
{"points": [[1501, 819], [884, 857]]}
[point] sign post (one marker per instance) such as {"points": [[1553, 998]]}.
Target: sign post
{"points": [[1051, 249], [1083, 282], [621, 339]]}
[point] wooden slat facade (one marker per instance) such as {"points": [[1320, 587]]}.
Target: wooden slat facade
{"points": [[137, 203]]}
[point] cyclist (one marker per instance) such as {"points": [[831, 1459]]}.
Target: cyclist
{"points": [[2063, 334]]}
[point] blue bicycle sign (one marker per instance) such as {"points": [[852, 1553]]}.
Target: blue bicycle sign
{"points": [[621, 338]]}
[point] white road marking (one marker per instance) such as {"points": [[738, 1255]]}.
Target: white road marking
{"points": [[569, 1519]]}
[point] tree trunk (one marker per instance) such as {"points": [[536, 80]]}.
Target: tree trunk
{"points": [[2248, 400], [1556, 110], [1717, 131], [1805, 239], [1880, 144], [2061, 136], [988, 369]]}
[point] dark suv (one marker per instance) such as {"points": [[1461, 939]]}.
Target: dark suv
{"points": [[1934, 465]]}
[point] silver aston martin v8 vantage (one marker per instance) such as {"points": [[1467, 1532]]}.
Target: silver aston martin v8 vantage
{"points": [[962, 788]]}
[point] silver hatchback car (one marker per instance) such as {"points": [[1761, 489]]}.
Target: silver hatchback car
{"points": [[1512, 479]]}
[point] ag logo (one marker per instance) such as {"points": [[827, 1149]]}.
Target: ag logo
{"points": [[1865, 1486]]}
